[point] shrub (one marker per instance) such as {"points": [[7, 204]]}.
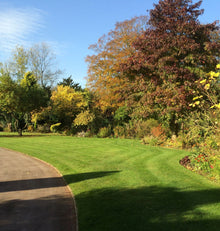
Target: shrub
{"points": [[67, 132], [201, 160], [43, 128], [1, 129], [119, 131], [84, 134], [130, 129], [140, 128], [104, 132], [81, 134], [175, 142], [121, 115], [199, 127], [212, 142], [157, 131], [206, 161], [84, 118], [30, 128], [150, 140]]}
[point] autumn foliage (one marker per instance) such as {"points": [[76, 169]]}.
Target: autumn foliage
{"points": [[149, 75], [153, 68], [104, 78], [171, 55]]}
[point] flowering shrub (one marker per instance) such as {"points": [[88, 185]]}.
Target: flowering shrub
{"points": [[201, 161], [206, 160]]}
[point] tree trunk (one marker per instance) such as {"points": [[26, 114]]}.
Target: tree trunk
{"points": [[20, 132]]}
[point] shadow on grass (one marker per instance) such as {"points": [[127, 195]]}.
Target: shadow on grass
{"points": [[74, 178], [148, 208], [30, 184]]}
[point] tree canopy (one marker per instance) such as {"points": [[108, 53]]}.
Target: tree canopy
{"points": [[19, 99], [152, 66], [104, 77]]}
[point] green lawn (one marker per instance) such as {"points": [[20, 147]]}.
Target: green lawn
{"points": [[124, 185]]}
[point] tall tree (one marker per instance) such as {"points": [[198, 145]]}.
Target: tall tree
{"points": [[19, 99], [69, 82], [104, 77], [39, 59], [66, 103], [42, 64], [174, 52], [19, 62]]}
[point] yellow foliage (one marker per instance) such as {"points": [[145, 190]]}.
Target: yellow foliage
{"points": [[203, 81], [29, 80], [197, 97], [84, 118], [214, 74], [207, 86], [65, 99]]}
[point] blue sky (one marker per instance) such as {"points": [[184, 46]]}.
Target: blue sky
{"points": [[70, 26]]}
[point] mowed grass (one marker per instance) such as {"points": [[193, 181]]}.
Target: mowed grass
{"points": [[123, 185]]}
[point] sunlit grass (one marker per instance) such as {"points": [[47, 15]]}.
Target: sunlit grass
{"points": [[124, 185]]}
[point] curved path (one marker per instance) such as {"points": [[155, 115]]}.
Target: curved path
{"points": [[33, 196]]}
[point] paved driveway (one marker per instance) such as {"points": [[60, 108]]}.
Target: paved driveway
{"points": [[33, 196]]}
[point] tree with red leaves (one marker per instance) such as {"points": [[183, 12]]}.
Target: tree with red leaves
{"points": [[171, 55]]}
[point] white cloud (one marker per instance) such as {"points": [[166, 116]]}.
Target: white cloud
{"points": [[19, 27]]}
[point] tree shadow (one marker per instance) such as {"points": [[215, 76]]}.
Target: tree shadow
{"points": [[148, 208], [30, 184], [74, 178]]}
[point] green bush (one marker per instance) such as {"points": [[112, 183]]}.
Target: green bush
{"points": [[174, 142], [199, 127], [121, 115], [104, 132], [140, 128], [1, 129], [150, 140], [212, 142]]}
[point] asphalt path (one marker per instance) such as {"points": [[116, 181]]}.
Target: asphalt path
{"points": [[33, 196]]}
